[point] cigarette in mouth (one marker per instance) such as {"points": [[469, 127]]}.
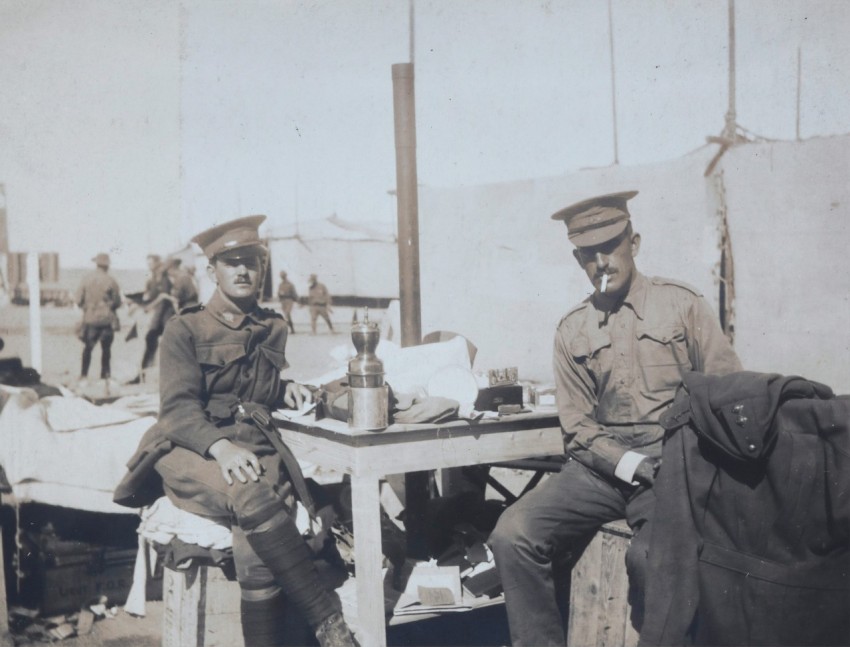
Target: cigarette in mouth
{"points": [[604, 285]]}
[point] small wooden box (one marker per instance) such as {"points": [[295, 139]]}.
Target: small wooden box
{"points": [[63, 575], [73, 580], [599, 605], [201, 608]]}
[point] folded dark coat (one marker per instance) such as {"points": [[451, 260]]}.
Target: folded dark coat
{"points": [[751, 542]]}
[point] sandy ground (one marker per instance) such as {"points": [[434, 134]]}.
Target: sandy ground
{"points": [[308, 355]]}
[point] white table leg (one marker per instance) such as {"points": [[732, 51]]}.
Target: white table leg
{"points": [[368, 558]]}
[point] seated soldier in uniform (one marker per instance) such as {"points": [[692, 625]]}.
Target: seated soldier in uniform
{"points": [[215, 453], [618, 357]]}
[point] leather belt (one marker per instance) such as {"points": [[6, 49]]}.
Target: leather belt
{"points": [[264, 423]]}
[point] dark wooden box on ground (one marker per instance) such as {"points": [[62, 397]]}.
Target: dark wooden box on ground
{"points": [[69, 574]]}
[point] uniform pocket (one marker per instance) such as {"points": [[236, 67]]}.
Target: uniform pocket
{"points": [[276, 356], [662, 354], [219, 355], [583, 347]]}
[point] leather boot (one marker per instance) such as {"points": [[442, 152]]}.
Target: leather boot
{"points": [[333, 632]]}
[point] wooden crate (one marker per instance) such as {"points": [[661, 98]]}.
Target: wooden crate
{"points": [[599, 607], [201, 608]]}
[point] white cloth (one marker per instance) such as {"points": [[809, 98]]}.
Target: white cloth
{"points": [[72, 413], [163, 521], [406, 370], [77, 469]]}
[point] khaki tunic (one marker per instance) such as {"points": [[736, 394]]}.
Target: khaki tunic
{"points": [[616, 372], [99, 296]]}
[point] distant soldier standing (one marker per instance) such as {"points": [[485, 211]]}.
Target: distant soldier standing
{"points": [[319, 300], [288, 295], [184, 291], [99, 296]]}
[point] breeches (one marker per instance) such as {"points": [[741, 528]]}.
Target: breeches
{"points": [[91, 336], [196, 485], [550, 525]]}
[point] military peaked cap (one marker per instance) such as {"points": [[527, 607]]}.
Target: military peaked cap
{"points": [[235, 234], [596, 220]]}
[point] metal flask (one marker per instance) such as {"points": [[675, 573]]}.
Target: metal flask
{"points": [[368, 401]]}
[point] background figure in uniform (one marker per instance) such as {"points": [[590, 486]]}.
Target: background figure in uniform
{"points": [[99, 296], [618, 358], [218, 457], [160, 308], [319, 300], [184, 290], [288, 295], [190, 270]]}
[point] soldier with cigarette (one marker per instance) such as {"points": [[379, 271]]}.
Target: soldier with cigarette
{"points": [[618, 359]]}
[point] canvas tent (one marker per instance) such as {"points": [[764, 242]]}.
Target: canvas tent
{"points": [[506, 282], [351, 258], [496, 269], [789, 222]]}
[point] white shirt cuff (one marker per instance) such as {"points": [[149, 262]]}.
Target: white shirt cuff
{"points": [[625, 470]]}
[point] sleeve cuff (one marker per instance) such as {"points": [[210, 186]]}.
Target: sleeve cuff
{"points": [[206, 450], [625, 470]]}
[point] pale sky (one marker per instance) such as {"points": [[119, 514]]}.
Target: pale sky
{"points": [[127, 126]]}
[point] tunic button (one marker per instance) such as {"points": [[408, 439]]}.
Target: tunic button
{"points": [[742, 420], [751, 447], [738, 408]]}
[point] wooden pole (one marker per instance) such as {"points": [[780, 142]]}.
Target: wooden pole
{"points": [[4, 232], [731, 118], [613, 83], [34, 286], [408, 203], [417, 488], [799, 84], [412, 31]]}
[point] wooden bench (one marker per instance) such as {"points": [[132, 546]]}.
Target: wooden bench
{"points": [[599, 605], [201, 608]]}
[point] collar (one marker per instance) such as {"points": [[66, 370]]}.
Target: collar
{"points": [[635, 299], [227, 312]]}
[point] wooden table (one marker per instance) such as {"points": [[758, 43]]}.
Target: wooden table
{"points": [[369, 456]]}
